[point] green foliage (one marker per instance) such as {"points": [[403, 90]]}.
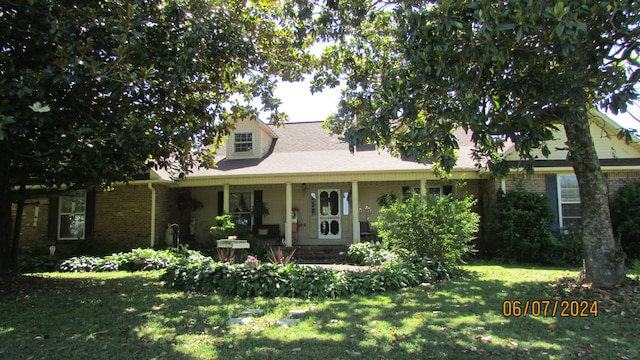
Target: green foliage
{"points": [[81, 264], [386, 200], [438, 227], [566, 248], [416, 71], [135, 260], [521, 226], [99, 92], [369, 254], [272, 280], [625, 216], [225, 227], [40, 263], [422, 77], [520, 231]]}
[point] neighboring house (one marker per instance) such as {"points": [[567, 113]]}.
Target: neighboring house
{"points": [[318, 193], [554, 175]]}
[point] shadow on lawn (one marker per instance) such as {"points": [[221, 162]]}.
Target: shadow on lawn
{"points": [[135, 317], [84, 317], [456, 319]]}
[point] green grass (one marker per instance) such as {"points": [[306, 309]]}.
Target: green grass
{"points": [[132, 316]]}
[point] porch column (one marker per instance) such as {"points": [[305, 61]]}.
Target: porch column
{"points": [[225, 199], [355, 211], [288, 233], [423, 187]]}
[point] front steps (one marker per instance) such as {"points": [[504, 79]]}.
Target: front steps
{"points": [[319, 254]]}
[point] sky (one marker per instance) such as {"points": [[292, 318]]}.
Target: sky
{"points": [[301, 106]]}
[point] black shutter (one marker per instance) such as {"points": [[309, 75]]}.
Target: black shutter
{"points": [[257, 198], [405, 192], [220, 203], [52, 222], [90, 215], [447, 190], [551, 183]]}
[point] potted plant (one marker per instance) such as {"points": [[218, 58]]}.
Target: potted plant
{"points": [[260, 209]]}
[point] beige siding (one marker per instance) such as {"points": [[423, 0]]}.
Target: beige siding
{"points": [[605, 140], [265, 142], [205, 217], [261, 140]]}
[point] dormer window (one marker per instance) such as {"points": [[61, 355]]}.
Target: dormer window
{"points": [[243, 142]]}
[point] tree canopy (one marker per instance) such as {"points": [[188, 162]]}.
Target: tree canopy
{"points": [[509, 72], [93, 93], [416, 70]]}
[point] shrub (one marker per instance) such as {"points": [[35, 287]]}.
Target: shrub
{"points": [[81, 264], [625, 216], [136, 259], [369, 254], [40, 263], [433, 226], [224, 228], [521, 231], [566, 248], [273, 280]]}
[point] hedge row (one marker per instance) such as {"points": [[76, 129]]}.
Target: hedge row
{"points": [[196, 273]]}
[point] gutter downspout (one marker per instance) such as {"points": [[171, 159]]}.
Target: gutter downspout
{"points": [[153, 215]]}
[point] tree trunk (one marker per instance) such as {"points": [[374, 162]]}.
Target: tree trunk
{"points": [[8, 263], [603, 262], [15, 239]]}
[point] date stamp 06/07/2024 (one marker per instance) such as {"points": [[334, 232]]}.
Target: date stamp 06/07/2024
{"points": [[550, 308]]}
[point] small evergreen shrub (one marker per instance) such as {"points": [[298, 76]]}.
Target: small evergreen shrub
{"points": [[625, 216], [223, 229], [368, 254], [226, 227], [434, 226], [521, 231]]}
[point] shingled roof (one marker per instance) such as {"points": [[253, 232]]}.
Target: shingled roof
{"points": [[307, 148]]}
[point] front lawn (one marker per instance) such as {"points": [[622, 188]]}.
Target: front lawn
{"points": [[133, 316]]}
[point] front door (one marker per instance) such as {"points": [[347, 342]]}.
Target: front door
{"points": [[329, 225]]}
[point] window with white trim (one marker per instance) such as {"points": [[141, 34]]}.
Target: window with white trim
{"points": [[568, 200], [72, 211], [243, 142], [240, 208]]}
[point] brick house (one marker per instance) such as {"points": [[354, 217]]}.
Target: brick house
{"points": [[318, 193]]}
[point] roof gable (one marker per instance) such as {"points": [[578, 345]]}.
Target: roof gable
{"points": [[604, 132], [250, 139]]}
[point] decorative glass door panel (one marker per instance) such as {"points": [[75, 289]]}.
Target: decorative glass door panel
{"points": [[329, 225]]}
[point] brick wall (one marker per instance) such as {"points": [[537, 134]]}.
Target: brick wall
{"points": [[617, 180], [34, 236], [536, 183], [123, 217], [122, 221]]}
